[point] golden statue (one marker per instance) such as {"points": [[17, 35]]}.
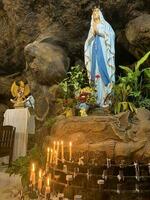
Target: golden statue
{"points": [[19, 92]]}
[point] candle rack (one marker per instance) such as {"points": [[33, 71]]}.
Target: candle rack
{"points": [[61, 175]]}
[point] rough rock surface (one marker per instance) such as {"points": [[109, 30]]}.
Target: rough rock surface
{"points": [[138, 34], [39, 38], [46, 59], [23, 21], [112, 136]]}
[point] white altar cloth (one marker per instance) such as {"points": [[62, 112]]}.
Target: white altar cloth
{"points": [[25, 124]]}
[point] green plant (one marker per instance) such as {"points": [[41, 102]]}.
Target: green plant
{"points": [[120, 98], [75, 80], [145, 103], [22, 165], [134, 78], [128, 92], [146, 85]]}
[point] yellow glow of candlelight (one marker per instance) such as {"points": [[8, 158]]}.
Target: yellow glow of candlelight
{"points": [[70, 144], [40, 180], [48, 150], [33, 167], [40, 173], [51, 157], [48, 181], [57, 143], [62, 150], [55, 155]]}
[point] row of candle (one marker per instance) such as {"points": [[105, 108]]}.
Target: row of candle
{"points": [[47, 188], [68, 177], [52, 158], [53, 153], [40, 180]]}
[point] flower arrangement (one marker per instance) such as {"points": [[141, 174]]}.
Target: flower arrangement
{"points": [[85, 98], [86, 95], [76, 90]]}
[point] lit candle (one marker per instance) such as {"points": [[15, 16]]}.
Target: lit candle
{"points": [[48, 150], [62, 151], [70, 151], [32, 176], [48, 181], [57, 152], [33, 167], [51, 157], [56, 160], [47, 160], [47, 190], [40, 181]]}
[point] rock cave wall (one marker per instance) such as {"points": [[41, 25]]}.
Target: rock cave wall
{"points": [[31, 28]]}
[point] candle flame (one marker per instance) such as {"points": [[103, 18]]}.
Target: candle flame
{"points": [[70, 144], [62, 142], [48, 149], [54, 145]]}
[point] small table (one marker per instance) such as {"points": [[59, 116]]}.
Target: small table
{"points": [[25, 124]]}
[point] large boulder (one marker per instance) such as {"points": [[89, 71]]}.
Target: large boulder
{"points": [[46, 57], [112, 136], [47, 64], [138, 34]]}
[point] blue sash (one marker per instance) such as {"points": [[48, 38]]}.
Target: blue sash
{"points": [[97, 55]]}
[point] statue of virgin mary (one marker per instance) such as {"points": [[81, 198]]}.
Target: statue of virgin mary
{"points": [[99, 53]]}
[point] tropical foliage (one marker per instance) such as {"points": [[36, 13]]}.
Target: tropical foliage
{"points": [[76, 89], [76, 79], [132, 88]]}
